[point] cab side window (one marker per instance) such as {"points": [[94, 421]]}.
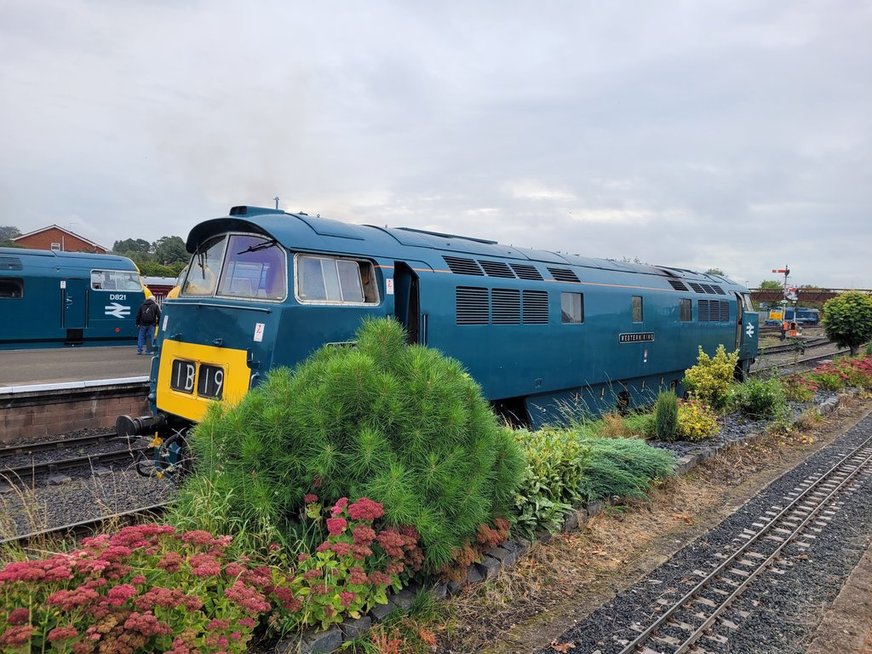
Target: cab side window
{"points": [[334, 280]]}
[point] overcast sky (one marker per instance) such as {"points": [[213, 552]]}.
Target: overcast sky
{"points": [[707, 134]]}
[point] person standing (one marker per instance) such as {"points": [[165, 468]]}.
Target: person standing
{"points": [[146, 318]]}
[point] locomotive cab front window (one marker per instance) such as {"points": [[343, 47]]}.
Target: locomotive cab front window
{"points": [[255, 267], [334, 280], [115, 280], [202, 278]]}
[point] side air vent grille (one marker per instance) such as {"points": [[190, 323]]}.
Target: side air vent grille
{"points": [[713, 311], [718, 290], [535, 307], [677, 285], [563, 275], [460, 266], [506, 306], [472, 306], [696, 287], [496, 269], [525, 271]]}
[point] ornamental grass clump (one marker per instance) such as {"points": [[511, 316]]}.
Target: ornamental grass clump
{"points": [[622, 467], [401, 424], [551, 483], [666, 416], [709, 380]]}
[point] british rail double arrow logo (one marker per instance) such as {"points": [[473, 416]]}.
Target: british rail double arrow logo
{"points": [[117, 310]]}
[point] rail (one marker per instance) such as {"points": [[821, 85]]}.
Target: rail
{"points": [[782, 529]]}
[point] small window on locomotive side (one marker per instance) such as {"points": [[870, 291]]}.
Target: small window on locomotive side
{"points": [[345, 281], [685, 310], [571, 308], [11, 288], [637, 308]]}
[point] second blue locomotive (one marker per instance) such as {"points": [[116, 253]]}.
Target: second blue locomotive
{"points": [[536, 329], [50, 299]]}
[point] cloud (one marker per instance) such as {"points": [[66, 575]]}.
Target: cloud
{"points": [[723, 134]]}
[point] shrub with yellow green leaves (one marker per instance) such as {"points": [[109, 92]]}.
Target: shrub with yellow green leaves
{"points": [[709, 380], [696, 421]]}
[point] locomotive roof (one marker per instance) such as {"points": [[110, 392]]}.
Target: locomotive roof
{"points": [[300, 231], [52, 259]]}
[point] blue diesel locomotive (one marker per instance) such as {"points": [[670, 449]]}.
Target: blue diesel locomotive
{"points": [[51, 299], [535, 328]]}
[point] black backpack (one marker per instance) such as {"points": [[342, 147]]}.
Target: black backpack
{"points": [[148, 313]]}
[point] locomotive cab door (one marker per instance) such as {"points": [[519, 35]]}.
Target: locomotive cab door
{"points": [[407, 306], [74, 308], [740, 320]]}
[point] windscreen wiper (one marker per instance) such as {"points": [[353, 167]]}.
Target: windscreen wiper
{"points": [[259, 246]]}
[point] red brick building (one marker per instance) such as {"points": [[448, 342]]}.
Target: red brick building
{"points": [[58, 238]]}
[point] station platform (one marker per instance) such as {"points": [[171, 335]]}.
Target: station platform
{"points": [[71, 367]]}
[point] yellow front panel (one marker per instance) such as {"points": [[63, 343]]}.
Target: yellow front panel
{"points": [[191, 405]]}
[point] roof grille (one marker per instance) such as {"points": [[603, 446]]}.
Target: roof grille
{"points": [[696, 287], [472, 305], [460, 266], [496, 269], [10, 263], [718, 289], [563, 275], [535, 308], [525, 271], [677, 285], [708, 289], [506, 306]]}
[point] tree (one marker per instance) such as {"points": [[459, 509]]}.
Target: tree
{"points": [[771, 285], [848, 320], [132, 245], [7, 233], [170, 249], [715, 271]]}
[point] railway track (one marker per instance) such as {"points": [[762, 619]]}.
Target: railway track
{"points": [[683, 623], [85, 526], [818, 341], [799, 363], [42, 462]]}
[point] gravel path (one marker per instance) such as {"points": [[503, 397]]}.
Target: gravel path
{"points": [[780, 611]]}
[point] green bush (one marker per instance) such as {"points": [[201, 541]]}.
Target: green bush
{"points": [[623, 467], [847, 319], [400, 424], [696, 420], [552, 478], [709, 380], [666, 416], [759, 398]]}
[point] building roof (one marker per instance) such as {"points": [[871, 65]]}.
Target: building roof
{"points": [[65, 231]]}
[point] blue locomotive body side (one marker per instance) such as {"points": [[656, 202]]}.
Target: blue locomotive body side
{"points": [[535, 329], [52, 299]]}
